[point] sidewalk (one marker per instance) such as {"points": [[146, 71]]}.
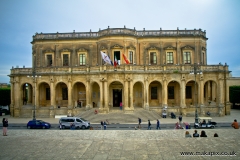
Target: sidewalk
{"points": [[235, 114]]}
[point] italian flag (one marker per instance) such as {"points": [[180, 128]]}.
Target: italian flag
{"points": [[115, 62]]}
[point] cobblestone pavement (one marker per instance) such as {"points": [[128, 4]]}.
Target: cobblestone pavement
{"points": [[112, 144]]}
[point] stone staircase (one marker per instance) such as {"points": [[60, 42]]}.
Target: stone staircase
{"points": [[117, 115]]}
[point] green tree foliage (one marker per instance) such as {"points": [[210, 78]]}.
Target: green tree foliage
{"points": [[5, 96], [234, 94]]}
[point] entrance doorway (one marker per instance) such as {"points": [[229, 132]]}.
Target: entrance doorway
{"points": [[117, 97], [117, 56]]}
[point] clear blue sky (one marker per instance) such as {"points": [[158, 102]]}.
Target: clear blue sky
{"points": [[21, 19]]}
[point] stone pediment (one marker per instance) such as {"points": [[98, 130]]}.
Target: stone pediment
{"points": [[152, 48], [170, 48], [82, 50], [48, 51], [187, 47], [116, 46], [65, 50], [131, 47]]}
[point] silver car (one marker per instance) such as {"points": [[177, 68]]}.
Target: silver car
{"points": [[67, 122]]}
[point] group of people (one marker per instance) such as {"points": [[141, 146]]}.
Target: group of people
{"points": [[195, 134], [104, 124], [149, 124]]}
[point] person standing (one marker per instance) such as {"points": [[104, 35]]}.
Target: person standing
{"points": [[158, 124], [180, 118], [149, 125], [105, 125], [101, 125], [139, 123], [235, 124], [5, 125], [120, 105]]}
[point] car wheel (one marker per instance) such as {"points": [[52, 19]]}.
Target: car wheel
{"points": [[44, 127], [63, 127], [212, 126], [28, 127], [83, 127]]}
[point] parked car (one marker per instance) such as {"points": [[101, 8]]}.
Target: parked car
{"points": [[66, 122], [38, 124], [205, 122]]}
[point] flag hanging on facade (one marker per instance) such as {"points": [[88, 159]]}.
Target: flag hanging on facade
{"points": [[115, 62], [106, 58], [125, 59]]}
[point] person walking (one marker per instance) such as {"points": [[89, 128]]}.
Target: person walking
{"points": [[180, 118], [5, 125], [149, 125], [139, 123], [158, 124], [105, 125], [101, 125], [235, 124]]}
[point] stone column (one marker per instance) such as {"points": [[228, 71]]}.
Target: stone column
{"points": [[105, 94], [88, 95], [73, 57], [165, 91], [208, 91], [12, 98], [101, 94], [178, 61], [16, 98], [221, 97], [36, 93], [131, 93], [125, 94], [52, 92], [213, 91], [160, 59], [146, 94], [183, 94], [70, 93], [201, 96]]}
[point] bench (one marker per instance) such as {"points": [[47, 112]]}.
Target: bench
{"points": [[59, 116]]}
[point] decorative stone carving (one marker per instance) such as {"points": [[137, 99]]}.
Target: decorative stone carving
{"points": [[48, 51], [103, 47], [65, 50], [152, 48], [204, 49], [131, 47], [82, 50], [170, 48], [187, 47], [116, 46]]}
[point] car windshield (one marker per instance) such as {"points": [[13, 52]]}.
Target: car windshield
{"points": [[40, 121], [83, 119]]}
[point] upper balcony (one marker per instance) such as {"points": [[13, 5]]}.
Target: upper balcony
{"points": [[169, 69], [121, 31]]}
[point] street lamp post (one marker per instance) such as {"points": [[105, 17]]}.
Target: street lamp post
{"points": [[34, 76], [196, 70]]}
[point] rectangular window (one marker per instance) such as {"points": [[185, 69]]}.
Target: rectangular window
{"points": [[170, 92], [170, 57], [153, 58], [48, 97], [82, 59], [130, 56], [188, 92], [65, 60], [186, 58], [64, 94], [49, 60], [153, 92]]}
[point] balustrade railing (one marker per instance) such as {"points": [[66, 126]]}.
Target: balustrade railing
{"points": [[120, 31], [109, 68]]}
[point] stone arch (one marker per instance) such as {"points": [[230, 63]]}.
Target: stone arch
{"points": [[44, 94], [191, 93], [26, 99], [95, 94], [155, 94], [138, 94], [210, 92], [79, 94], [61, 94], [173, 93]]}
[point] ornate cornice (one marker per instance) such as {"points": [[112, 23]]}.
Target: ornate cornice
{"points": [[103, 47], [116, 46], [187, 47], [170, 48]]}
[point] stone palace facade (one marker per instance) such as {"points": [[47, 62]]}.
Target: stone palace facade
{"points": [[69, 75]]}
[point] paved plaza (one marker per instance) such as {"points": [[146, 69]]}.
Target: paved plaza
{"points": [[112, 144], [119, 144]]}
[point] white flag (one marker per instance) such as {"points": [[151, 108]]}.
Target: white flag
{"points": [[106, 58]]}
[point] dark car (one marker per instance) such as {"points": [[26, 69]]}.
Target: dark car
{"points": [[38, 124]]}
